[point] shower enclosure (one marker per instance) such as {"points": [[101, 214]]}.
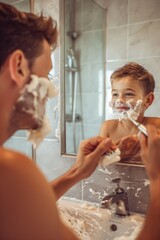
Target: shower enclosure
{"points": [[83, 71]]}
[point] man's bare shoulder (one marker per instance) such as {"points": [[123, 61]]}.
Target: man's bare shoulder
{"points": [[17, 166], [8, 156], [13, 160], [19, 170], [26, 199], [10, 153]]}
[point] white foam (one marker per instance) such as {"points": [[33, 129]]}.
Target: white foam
{"points": [[133, 112], [146, 182], [36, 136], [110, 158], [39, 89]]}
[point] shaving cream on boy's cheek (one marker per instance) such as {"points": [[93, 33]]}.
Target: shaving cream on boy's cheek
{"points": [[32, 101], [133, 107]]}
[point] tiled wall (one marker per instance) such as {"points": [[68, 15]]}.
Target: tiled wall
{"points": [[133, 35], [129, 21]]}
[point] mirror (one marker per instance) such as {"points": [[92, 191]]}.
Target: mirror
{"points": [[22, 5], [98, 37], [83, 70]]}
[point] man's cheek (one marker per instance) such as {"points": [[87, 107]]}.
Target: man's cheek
{"points": [[33, 102]]}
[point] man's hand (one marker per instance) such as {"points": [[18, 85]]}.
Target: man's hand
{"points": [[90, 153], [150, 152]]}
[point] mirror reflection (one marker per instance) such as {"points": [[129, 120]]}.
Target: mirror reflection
{"points": [[132, 89], [84, 51], [23, 5], [129, 33], [97, 41]]}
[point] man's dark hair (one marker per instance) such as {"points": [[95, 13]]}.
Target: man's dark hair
{"points": [[24, 31]]}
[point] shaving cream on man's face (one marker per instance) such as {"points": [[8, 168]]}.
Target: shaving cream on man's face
{"points": [[32, 101]]}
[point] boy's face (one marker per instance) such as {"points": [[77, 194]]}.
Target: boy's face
{"points": [[125, 94]]}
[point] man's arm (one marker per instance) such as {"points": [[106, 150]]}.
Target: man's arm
{"points": [[150, 150], [89, 154]]}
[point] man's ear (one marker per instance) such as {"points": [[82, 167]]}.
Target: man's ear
{"points": [[18, 67], [149, 99]]}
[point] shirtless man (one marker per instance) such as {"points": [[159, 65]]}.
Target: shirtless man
{"points": [[150, 151], [28, 203], [28, 209]]}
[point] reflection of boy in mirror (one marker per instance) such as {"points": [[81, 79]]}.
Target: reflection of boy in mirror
{"points": [[132, 89]]}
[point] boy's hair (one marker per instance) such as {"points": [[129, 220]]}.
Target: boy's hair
{"points": [[136, 72], [24, 31]]}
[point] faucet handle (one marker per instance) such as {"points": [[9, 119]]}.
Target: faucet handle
{"points": [[116, 180], [118, 188]]}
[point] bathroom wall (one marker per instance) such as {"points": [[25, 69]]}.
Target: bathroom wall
{"points": [[133, 35], [138, 16]]}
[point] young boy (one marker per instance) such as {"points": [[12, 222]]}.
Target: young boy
{"points": [[132, 85]]}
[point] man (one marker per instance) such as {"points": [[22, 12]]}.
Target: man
{"points": [[151, 158], [27, 203]]}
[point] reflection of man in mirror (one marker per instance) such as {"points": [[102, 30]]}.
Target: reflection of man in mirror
{"points": [[132, 93]]}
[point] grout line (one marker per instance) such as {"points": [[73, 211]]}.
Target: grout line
{"points": [[132, 24]]}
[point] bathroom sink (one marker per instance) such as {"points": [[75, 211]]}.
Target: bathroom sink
{"points": [[90, 222]]}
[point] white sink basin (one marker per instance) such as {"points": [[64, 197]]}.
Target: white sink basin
{"points": [[90, 222]]}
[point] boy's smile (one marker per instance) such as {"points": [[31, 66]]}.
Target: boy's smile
{"points": [[125, 94]]}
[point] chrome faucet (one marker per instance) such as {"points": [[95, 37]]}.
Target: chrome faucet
{"points": [[119, 198]]}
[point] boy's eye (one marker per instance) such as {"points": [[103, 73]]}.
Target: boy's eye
{"points": [[128, 94], [114, 94]]}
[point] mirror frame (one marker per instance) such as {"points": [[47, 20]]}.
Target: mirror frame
{"points": [[62, 83], [62, 80]]}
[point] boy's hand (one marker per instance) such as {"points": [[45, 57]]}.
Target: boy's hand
{"points": [[90, 153], [129, 146]]}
